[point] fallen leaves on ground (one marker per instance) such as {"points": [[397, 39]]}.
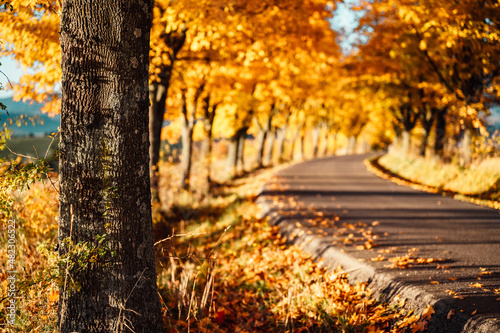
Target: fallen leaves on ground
{"points": [[239, 275]]}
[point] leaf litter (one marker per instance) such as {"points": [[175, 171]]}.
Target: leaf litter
{"points": [[236, 274]]}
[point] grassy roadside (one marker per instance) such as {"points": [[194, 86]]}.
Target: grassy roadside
{"points": [[480, 183], [223, 269]]}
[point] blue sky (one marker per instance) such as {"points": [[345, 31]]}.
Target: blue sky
{"points": [[12, 71]]}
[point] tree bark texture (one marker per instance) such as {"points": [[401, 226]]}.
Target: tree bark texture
{"points": [[109, 284]]}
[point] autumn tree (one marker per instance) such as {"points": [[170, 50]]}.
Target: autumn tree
{"points": [[439, 56], [105, 225]]}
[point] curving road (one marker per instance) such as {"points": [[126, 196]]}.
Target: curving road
{"points": [[427, 248]]}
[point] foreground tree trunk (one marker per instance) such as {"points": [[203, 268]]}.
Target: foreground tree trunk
{"points": [[105, 225]]}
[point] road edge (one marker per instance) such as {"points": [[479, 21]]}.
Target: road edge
{"points": [[386, 287]]}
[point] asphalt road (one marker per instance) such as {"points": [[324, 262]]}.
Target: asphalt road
{"points": [[425, 248]]}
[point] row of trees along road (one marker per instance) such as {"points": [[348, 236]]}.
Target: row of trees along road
{"points": [[272, 69], [434, 65]]}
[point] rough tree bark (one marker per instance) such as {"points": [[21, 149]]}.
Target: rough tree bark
{"points": [[105, 210]]}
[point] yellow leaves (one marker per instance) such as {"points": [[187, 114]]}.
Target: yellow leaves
{"points": [[422, 45]]}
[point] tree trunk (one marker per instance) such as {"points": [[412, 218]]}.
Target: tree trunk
{"points": [[351, 145], [268, 158], [333, 149], [158, 92], [206, 147], [187, 129], [315, 137], [105, 225], [324, 151], [280, 143], [425, 139], [235, 162], [240, 153], [232, 155], [262, 137], [405, 142], [427, 116], [294, 143], [158, 97], [260, 143], [467, 148], [440, 132], [300, 142]]}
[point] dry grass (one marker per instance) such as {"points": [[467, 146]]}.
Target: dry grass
{"points": [[479, 183]]}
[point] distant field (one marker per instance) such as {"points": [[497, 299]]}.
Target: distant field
{"points": [[29, 146]]}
